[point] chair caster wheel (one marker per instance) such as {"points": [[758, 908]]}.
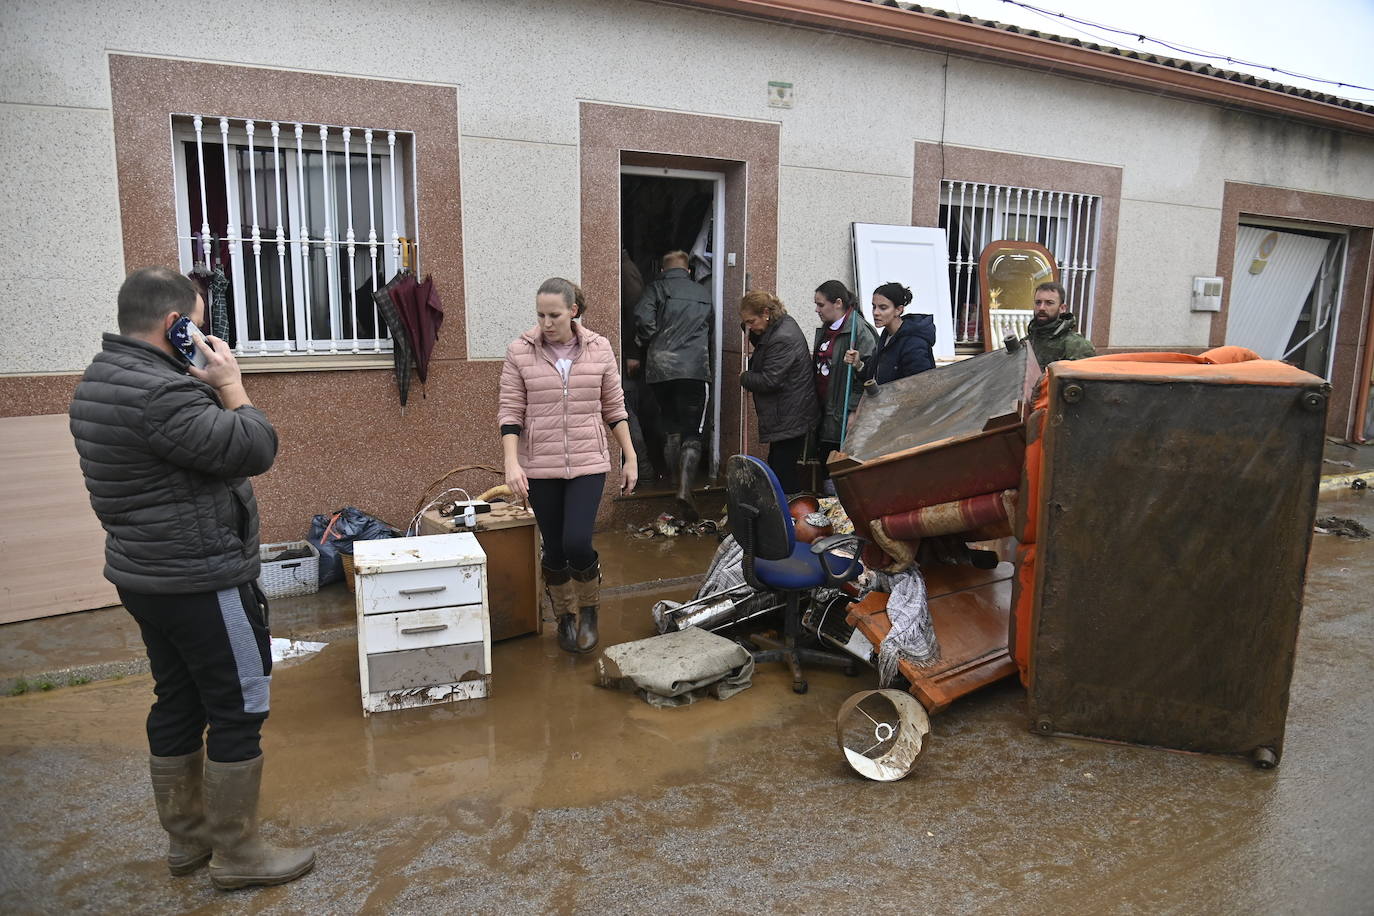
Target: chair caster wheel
{"points": [[800, 686]]}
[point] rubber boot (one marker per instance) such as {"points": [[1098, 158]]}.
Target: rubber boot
{"points": [[691, 457], [563, 598], [241, 858], [646, 467], [588, 583], [672, 451], [176, 791]]}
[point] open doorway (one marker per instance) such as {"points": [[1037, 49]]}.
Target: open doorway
{"points": [[664, 210]]}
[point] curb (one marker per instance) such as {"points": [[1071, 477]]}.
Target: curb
{"points": [[80, 675]]}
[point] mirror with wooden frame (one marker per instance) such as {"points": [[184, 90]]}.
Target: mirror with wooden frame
{"points": [[1008, 273]]}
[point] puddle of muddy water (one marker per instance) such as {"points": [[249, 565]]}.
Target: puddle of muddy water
{"points": [[546, 737]]}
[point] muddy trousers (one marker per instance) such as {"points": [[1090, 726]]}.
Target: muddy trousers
{"points": [[823, 450], [783, 456], [682, 404], [211, 658], [566, 513]]}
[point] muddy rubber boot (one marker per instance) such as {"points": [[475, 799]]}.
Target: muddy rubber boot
{"points": [[176, 791], [646, 467], [563, 598], [672, 452], [588, 583], [691, 457], [241, 858]]}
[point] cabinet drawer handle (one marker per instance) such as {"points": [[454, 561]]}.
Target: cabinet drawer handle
{"points": [[424, 590], [432, 628]]}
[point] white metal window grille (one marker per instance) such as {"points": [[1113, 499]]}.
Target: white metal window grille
{"points": [[974, 214], [305, 220]]}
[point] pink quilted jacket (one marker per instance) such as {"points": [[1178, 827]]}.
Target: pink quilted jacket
{"points": [[564, 427]]}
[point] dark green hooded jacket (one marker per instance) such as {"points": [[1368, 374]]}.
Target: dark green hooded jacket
{"points": [[1058, 340]]}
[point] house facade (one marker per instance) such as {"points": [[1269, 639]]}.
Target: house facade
{"points": [[310, 153]]}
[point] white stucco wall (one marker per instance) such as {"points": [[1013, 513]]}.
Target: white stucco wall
{"points": [[61, 257], [816, 207], [520, 226], [521, 68]]}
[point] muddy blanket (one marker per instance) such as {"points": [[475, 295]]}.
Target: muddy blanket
{"points": [[677, 668]]}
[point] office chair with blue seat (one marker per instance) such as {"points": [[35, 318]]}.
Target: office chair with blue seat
{"points": [[774, 560]]}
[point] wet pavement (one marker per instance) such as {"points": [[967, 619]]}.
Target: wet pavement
{"points": [[557, 796]]}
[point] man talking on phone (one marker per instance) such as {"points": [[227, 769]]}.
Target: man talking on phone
{"points": [[166, 449]]}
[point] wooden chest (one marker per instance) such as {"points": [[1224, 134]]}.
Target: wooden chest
{"points": [[515, 581]]}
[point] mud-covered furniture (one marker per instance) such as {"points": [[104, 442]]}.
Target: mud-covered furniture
{"points": [[423, 630], [968, 611], [774, 560], [1170, 512], [509, 537], [941, 443]]}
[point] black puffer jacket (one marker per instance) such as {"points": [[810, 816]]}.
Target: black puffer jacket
{"points": [[167, 466], [673, 322], [909, 351], [780, 377]]}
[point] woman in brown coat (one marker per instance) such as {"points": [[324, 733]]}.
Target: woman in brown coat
{"points": [[780, 378], [560, 390]]}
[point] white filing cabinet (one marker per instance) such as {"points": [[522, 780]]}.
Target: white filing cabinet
{"points": [[423, 631]]}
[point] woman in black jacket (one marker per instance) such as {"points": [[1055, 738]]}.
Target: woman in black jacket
{"points": [[780, 378], [907, 344]]}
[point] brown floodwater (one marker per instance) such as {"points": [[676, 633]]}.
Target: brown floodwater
{"points": [[555, 795]]}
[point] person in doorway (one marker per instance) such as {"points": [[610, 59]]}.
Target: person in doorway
{"points": [[1052, 336], [166, 451], [560, 389], [779, 376], [673, 322], [906, 345], [843, 328]]}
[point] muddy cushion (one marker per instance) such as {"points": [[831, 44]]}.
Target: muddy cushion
{"points": [[677, 668]]}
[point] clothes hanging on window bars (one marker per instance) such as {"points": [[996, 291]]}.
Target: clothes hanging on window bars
{"points": [[401, 354], [219, 305]]}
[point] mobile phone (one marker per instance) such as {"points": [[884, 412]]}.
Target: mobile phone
{"points": [[183, 335]]}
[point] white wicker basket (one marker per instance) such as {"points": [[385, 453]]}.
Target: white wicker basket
{"points": [[286, 578]]}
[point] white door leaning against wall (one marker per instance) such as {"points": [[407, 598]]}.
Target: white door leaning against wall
{"points": [[918, 258]]}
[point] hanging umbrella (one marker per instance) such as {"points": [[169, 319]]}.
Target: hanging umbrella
{"points": [[423, 314], [401, 351]]}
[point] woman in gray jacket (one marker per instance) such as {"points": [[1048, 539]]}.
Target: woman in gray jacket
{"points": [[779, 376]]}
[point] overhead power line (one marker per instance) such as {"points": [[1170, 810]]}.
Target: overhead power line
{"points": [[1185, 49]]}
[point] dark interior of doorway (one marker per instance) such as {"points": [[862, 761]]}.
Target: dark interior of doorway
{"points": [[1309, 346], [658, 214]]}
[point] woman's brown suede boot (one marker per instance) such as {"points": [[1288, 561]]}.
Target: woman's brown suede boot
{"points": [[588, 583], [563, 596]]}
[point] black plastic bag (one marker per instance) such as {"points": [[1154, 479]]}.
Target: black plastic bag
{"points": [[334, 535]]}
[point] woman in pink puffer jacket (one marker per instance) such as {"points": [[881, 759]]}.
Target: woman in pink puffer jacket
{"points": [[560, 391]]}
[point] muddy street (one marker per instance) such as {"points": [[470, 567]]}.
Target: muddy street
{"points": [[556, 795]]}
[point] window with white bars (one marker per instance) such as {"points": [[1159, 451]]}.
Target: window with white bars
{"points": [[297, 224], [974, 214]]}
